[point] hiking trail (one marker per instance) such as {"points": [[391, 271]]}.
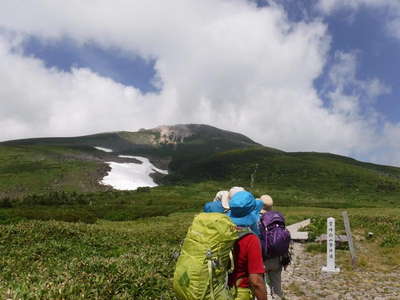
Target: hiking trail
{"points": [[303, 279]]}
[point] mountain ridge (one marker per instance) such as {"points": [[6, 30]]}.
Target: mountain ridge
{"points": [[193, 153], [163, 134]]}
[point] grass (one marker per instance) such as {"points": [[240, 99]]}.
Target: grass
{"points": [[25, 170], [377, 254], [63, 236], [38, 167], [108, 260], [110, 205], [145, 202], [135, 259], [305, 179]]}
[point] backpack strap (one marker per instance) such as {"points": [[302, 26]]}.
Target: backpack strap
{"points": [[210, 273], [210, 276], [242, 233], [232, 262], [264, 228]]}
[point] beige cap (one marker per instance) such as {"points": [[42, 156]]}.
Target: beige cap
{"points": [[268, 202]]}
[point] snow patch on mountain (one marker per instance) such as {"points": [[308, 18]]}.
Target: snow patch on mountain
{"points": [[104, 149], [130, 176]]}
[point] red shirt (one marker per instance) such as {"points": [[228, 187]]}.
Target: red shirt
{"points": [[248, 260]]}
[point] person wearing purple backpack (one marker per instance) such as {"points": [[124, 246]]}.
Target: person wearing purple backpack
{"points": [[275, 240]]}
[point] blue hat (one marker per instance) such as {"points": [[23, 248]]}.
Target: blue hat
{"points": [[245, 209], [214, 206]]}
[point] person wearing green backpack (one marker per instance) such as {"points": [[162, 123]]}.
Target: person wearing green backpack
{"points": [[221, 257], [248, 274]]}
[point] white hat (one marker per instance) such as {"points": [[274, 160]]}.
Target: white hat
{"points": [[223, 196], [234, 190]]}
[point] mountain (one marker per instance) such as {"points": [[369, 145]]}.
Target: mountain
{"points": [[65, 235], [302, 178], [195, 154], [149, 138], [41, 165]]}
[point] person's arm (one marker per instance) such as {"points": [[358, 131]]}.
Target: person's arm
{"points": [[258, 286], [255, 268]]}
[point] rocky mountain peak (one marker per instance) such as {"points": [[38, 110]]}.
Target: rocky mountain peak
{"points": [[173, 134]]}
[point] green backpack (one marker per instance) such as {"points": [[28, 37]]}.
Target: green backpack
{"points": [[206, 258]]}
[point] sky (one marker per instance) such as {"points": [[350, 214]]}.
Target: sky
{"points": [[305, 75]]}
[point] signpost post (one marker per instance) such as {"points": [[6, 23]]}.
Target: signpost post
{"points": [[330, 247], [349, 237]]}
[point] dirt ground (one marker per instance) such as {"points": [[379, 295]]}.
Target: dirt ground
{"points": [[303, 279]]}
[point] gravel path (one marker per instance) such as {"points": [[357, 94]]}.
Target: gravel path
{"points": [[304, 280]]}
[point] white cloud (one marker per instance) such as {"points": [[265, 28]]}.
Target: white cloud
{"points": [[347, 91], [225, 63], [393, 24], [329, 6]]}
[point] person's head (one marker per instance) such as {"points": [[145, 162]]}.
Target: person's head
{"points": [[267, 202], [234, 190], [223, 197], [213, 206], [244, 209]]}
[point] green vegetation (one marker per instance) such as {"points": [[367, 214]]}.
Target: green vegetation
{"points": [[64, 236], [377, 253], [109, 260], [26, 170], [135, 259], [41, 166], [305, 179], [109, 205]]}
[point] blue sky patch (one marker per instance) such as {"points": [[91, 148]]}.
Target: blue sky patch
{"points": [[363, 32], [65, 54], [378, 54]]}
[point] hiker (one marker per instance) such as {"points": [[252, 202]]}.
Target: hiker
{"points": [[232, 192], [275, 248], [214, 206], [223, 197], [248, 273], [221, 200], [235, 189], [221, 204], [221, 246]]}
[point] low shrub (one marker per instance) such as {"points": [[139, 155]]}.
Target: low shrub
{"points": [[57, 214]]}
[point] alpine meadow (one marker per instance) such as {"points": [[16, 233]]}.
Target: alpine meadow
{"points": [[200, 150], [65, 235]]}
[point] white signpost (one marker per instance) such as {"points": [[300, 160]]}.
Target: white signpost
{"points": [[330, 247]]}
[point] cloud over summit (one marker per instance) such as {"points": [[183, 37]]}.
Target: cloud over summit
{"points": [[225, 63]]}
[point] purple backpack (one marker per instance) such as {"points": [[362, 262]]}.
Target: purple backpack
{"points": [[275, 238]]}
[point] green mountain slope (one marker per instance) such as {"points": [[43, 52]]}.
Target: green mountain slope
{"points": [[64, 236], [163, 140], [195, 154], [32, 169], [303, 178], [44, 165]]}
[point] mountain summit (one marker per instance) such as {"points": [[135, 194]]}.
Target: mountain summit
{"points": [[192, 153], [127, 141], [175, 134]]}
